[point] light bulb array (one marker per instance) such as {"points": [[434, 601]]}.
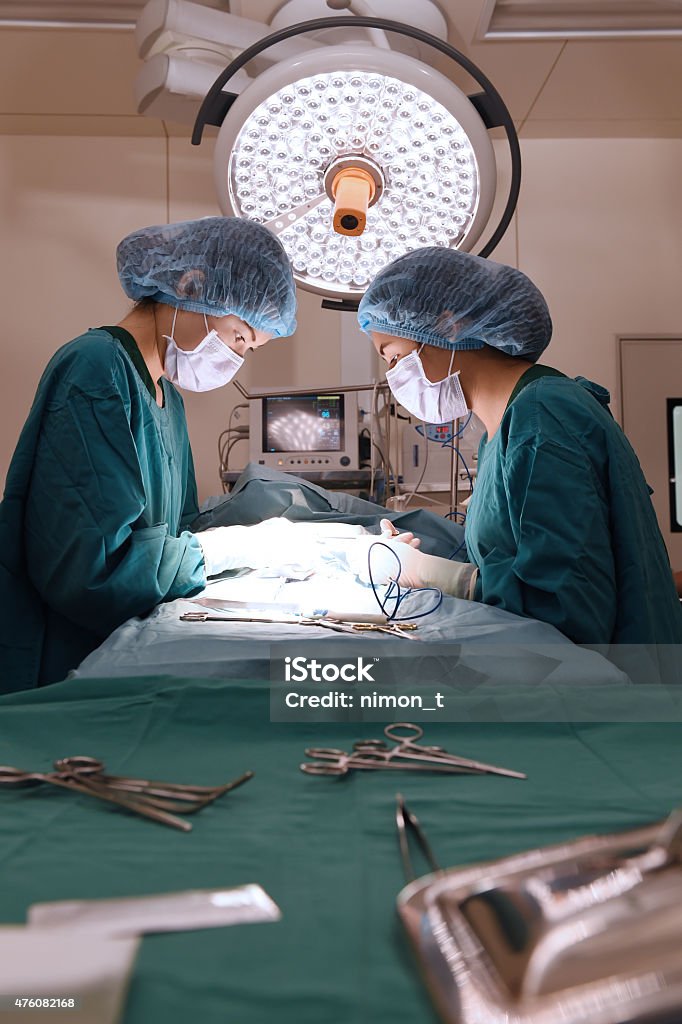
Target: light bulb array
{"points": [[429, 168]]}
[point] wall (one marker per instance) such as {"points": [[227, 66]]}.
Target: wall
{"points": [[600, 232], [65, 203], [598, 228]]}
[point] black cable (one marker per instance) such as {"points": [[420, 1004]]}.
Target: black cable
{"points": [[402, 595]]}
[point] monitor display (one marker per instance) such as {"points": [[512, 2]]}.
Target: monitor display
{"points": [[675, 462], [303, 423]]}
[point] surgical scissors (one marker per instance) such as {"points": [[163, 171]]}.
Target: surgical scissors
{"points": [[407, 747]]}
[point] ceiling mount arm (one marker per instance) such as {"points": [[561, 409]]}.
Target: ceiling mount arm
{"points": [[216, 106]]}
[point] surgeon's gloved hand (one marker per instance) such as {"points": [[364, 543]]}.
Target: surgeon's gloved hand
{"points": [[389, 531], [392, 559], [275, 543]]}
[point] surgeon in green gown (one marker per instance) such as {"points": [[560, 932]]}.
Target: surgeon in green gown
{"points": [[101, 489], [560, 527]]}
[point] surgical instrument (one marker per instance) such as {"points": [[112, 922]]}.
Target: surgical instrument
{"points": [[207, 617], [272, 610], [151, 799], [337, 626], [405, 746], [405, 820], [403, 629], [93, 766], [354, 628], [165, 795], [550, 933], [406, 754], [16, 777], [329, 761]]}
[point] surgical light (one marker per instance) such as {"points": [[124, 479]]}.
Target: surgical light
{"points": [[299, 159], [355, 155]]}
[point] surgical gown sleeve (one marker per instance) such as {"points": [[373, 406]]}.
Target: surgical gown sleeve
{"points": [[100, 540], [190, 509]]}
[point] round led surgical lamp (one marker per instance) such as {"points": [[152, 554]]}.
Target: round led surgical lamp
{"points": [[354, 156]]}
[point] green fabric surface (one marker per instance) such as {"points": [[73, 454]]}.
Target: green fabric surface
{"points": [[324, 849]]}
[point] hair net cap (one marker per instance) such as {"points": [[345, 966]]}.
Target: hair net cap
{"points": [[217, 266], [451, 299]]}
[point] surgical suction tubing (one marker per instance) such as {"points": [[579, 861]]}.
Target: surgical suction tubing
{"points": [[489, 104]]}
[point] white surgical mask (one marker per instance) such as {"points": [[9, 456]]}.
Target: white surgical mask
{"points": [[210, 365], [431, 401]]}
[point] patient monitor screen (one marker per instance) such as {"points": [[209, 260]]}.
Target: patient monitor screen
{"points": [[303, 423]]}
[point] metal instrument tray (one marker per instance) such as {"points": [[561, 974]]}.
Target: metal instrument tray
{"points": [[587, 931]]}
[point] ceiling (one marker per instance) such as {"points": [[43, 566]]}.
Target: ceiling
{"points": [[566, 19], [75, 79]]}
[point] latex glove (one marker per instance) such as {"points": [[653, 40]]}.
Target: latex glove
{"points": [[411, 568], [389, 531]]}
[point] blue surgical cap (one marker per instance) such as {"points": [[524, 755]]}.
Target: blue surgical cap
{"points": [[217, 266], [454, 300]]}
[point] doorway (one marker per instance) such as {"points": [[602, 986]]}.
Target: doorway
{"points": [[651, 395]]}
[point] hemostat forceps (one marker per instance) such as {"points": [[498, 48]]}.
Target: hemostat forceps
{"points": [[329, 761], [86, 775], [178, 797], [404, 629], [406, 747], [80, 783], [405, 755]]}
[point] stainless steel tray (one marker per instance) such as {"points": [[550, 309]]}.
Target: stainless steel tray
{"points": [[587, 932]]}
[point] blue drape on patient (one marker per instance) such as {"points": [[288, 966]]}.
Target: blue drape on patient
{"points": [[261, 493]]}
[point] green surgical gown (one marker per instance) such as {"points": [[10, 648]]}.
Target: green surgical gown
{"points": [[93, 522], [561, 523]]}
